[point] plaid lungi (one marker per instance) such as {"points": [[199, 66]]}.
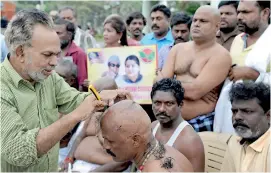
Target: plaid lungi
{"points": [[203, 122]]}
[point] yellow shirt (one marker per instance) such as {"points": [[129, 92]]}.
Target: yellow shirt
{"points": [[239, 50], [248, 158]]}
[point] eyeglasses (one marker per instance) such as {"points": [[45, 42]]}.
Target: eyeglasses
{"points": [[114, 65]]}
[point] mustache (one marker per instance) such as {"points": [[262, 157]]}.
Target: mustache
{"points": [[179, 38], [110, 153], [137, 29], [154, 26], [239, 123], [162, 114]]}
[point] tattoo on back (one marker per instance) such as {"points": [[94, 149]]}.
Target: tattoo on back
{"points": [[167, 163]]}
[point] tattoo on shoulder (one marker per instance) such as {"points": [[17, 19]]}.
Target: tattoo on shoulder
{"points": [[159, 153], [167, 163]]}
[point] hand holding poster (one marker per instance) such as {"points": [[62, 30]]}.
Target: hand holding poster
{"points": [[133, 68]]}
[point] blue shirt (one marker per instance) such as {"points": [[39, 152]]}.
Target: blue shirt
{"points": [[149, 39], [4, 49], [163, 54]]}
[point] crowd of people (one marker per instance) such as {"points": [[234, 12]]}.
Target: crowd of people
{"points": [[213, 74]]}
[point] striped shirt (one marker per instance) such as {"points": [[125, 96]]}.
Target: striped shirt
{"points": [[25, 109]]}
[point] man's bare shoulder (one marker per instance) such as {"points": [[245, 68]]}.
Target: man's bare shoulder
{"points": [[221, 51], [192, 139]]}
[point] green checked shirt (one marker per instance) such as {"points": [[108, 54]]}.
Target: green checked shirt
{"points": [[25, 109]]}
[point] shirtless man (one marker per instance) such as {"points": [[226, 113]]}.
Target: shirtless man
{"points": [[86, 152], [170, 128], [201, 65], [126, 129]]}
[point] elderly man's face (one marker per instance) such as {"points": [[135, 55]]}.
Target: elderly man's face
{"points": [[40, 59], [114, 67], [116, 142], [249, 119]]}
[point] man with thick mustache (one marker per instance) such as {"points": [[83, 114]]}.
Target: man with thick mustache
{"points": [[201, 65], [180, 28], [161, 35], [250, 152], [66, 32], [228, 25], [170, 128]]}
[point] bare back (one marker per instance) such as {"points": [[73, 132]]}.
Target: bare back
{"points": [[205, 69], [188, 143], [173, 161]]}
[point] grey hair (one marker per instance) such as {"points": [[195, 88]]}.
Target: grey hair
{"points": [[19, 31], [71, 67], [68, 8]]}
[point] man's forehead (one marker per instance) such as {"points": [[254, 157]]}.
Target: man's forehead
{"points": [[245, 104], [48, 41], [66, 13], [180, 26], [158, 14], [164, 95], [246, 5]]}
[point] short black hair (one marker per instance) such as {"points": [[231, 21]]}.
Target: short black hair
{"points": [[135, 15], [251, 90], [164, 9], [70, 27], [169, 85], [181, 18], [233, 3]]}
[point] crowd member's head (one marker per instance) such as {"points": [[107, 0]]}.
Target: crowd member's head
{"points": [[205, 24], [126, 129], [68, 70], [114, 64], [250, 109], [65, 30], [253, 15], [132, 67], [68, 13], [136, 22], [228, 12], [160, 18], [167, 98], [54, 14], [33, 48], [180, 27], [115, 31]]}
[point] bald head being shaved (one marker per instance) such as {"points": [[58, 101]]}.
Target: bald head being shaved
{"points": [[205, 23], [126, 128]]}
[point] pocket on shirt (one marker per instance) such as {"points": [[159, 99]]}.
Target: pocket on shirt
{"points": [[51, 115]]}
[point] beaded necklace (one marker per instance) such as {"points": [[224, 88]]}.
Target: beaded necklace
{"points": [[147, 157]]}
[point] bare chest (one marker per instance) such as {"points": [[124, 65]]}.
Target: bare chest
{"points": [[190, 64]]}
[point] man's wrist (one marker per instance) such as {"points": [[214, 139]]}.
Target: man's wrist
{"points": [[252, 74]]}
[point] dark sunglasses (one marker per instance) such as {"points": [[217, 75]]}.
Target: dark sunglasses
{"points": [[113, 65]]}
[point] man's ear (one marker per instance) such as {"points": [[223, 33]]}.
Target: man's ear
{"points": [[20, 53], [136, 140]]}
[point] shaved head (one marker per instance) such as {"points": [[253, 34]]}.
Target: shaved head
{"points": [[127, 116], [206, 23], [126, 129], [212, 11]]}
